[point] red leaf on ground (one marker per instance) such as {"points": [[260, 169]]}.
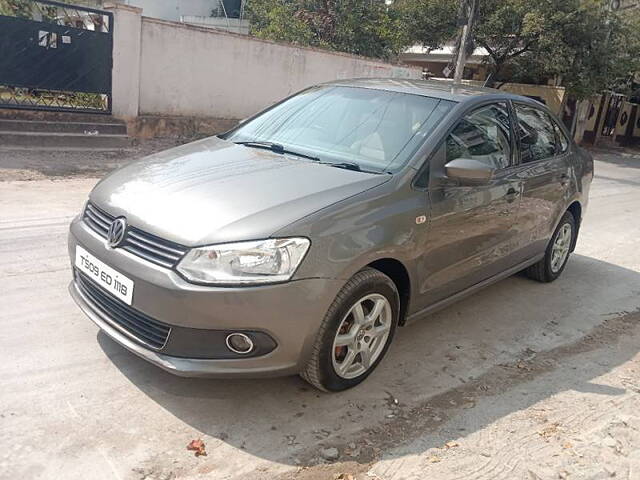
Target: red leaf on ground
{"points": [[197, 446]]}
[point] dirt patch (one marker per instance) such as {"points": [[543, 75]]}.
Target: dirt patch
{"points": [[62, 164], [405, 425]]}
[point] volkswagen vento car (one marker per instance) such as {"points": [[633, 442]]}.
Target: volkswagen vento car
{"points": [[299, 241]]}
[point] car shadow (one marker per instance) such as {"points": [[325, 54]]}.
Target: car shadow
{"points": [[469, 350]]}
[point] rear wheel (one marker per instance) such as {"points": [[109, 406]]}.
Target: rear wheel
{"points": [[557, 253], [356, 332]]}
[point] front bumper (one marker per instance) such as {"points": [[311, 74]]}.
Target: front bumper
{"points": [[289, 313]]}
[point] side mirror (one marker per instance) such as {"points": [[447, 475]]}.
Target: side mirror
{"points": [[467, 170]]}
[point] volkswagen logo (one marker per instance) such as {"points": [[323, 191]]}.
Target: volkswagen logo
{"points": [[116, 232]]}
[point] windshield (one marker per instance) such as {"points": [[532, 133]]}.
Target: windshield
{"points": [[375, 129]]}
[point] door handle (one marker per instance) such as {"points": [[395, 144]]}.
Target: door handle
{"points": [[564, 179], [511, 195]]}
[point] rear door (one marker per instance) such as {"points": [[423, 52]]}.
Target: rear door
{"points": [[544, 169], [471, 233]]}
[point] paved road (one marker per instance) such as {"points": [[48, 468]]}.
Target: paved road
{"points": [[522, 380]]}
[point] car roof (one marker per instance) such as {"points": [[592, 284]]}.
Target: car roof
{"points": [[442, 89]]}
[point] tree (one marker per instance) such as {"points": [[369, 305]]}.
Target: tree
{"points": [[429, 23], [276, 20], [581, 42], [509, 29], [27, 8], [362, 27], [601, 50], [15, 8], [369, 28]]}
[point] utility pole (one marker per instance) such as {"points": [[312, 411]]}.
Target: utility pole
{"points": [[468, 10]]}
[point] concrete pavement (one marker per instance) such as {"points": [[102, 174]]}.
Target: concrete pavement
{"points": [[485, 376]]}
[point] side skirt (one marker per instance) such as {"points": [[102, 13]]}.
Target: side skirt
{"points": [[472, 289]]}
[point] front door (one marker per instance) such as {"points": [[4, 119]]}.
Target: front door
{"points": [[472, 232]]}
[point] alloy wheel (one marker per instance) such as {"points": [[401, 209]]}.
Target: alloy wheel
{"points": [[561, 246], [361, 336]]}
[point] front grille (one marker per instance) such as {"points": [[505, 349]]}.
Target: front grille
{"points": [[98, 220], [152, 248], [139, 326], [142, 244]]}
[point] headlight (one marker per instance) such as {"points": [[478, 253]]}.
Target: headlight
{"points": [[261, 261]]}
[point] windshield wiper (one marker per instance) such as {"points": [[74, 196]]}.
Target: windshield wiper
{"points": [[277, 148], [350, 166], [346, 166]]}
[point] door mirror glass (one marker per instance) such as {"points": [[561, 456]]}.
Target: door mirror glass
{"points": [[468, 170]]}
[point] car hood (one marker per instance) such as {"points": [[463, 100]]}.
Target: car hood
{"points": [[214, 191]]}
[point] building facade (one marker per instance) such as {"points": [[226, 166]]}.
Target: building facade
{"points": [[223, 14]]}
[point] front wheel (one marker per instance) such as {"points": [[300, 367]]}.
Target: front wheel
{"points": [[356, 332], [557, 253]]}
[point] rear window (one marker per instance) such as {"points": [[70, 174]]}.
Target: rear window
{"points": [[537, 134]]}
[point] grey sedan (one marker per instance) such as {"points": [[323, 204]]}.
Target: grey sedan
{"points": [[299, 241]]}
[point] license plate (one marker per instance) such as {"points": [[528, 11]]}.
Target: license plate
{"points": [[111, 280]]}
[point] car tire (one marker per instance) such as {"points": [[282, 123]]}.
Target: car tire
{"points": [[550, 267], [351, 316]]}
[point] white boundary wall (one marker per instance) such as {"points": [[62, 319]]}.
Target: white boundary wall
{"points": [[186, 70]]}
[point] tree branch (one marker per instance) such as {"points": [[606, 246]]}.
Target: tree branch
{"points": [[486, 46], [522, 50]]}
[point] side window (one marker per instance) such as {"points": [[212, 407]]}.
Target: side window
{"points": [[563, 141], [483, 135], [537, 134]]}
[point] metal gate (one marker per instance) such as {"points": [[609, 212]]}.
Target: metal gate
{"points": [[55, 56], [612, 112]]}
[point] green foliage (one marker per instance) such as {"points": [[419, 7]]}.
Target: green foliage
{"points": [[15, 8], [509, 29], [25, 8], [429, 23], [601, 50], [368, 27], [275, 20], [579, 41]]}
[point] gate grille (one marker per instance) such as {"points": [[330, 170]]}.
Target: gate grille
{"points": [[55, 56], [44, 99]]}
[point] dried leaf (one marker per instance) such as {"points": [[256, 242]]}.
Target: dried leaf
{"points": [[451, 444], [549, 431], [198, 447], [345, 476], [434, 460]]}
